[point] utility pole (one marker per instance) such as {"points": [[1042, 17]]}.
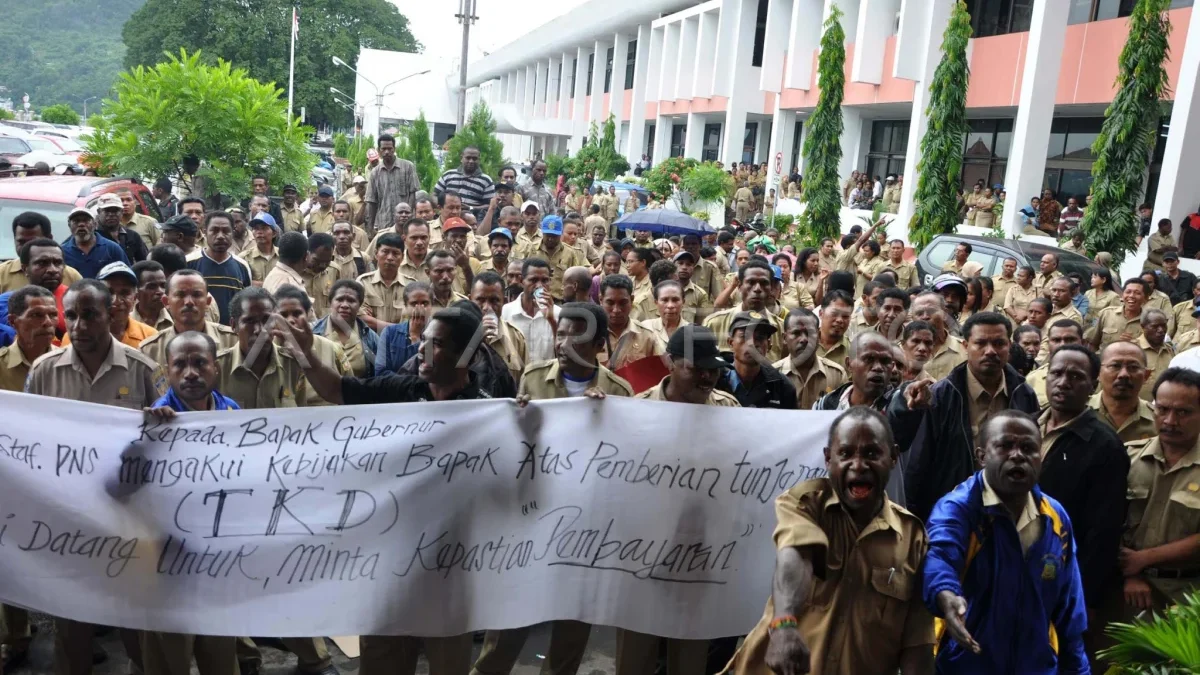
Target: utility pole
{"points": [[466, 16]]}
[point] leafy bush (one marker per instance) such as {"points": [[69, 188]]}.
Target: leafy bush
{"points": [[6, 115], [418, 149], [782, 223], [1161, 645], [823, 144], [60, 113], [707, 182], [479, 132], [558, 165], [662, 178], [699, 215]]}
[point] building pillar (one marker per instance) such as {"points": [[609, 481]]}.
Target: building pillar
{"points": [[693, 138], [596, 109], [616, 96], [564, 88], [870, 39], [553, 86], [783, 131], [804, 37], [762, 141], [803, 137], [706, 51], [685, 70], [662, 138], [541, 75], [579, 116], [735, 63], [669, 66], [530, 99], [775, 36], [637, 107], [1179, 182], [851, 141], [918, 51], [1031, 131]]}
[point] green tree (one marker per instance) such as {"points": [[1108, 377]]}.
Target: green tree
{"points": [[234, 124], [1127, 137], [823, 145], [940, 166], [256, 36], [479, 132], [60, 113], [418, 149], [6, 115]]}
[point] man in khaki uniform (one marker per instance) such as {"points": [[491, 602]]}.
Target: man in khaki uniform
{"points": [[955, 264], [1061, 309], [1162, 533], [632, 203], [553, 252], [354, 198], [530, 233], [487, 292], [1049, 272], [832, 344], [27, 227], [441, 279], [1122, 374], [416, 251], [1019, 295], [1158, 351], [743, 203], [254, 372], [262, 256], [95, 368], [1004, 281], [383, 304], [611, 205], [293, 261], [832, 620], [627, 340], [319, 274], [906, 272], [187, 302], [697, 304], [145, 226], [400, 217], [813, 376], [696, 365], [1124, 322], [1160, 242], [755, 286], [348, 262], [575, 362], [948, 350], [293, 217], [705, 275], [295, 306], [321, 219]]}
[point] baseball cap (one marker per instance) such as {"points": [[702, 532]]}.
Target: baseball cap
{"points": [[291, 187], [696, 344], [325, 191], [1170, 255], [372, 154], [504, 185], [359, 179], [79, 210], [454, 224], [182, 224], [944, 281], [108, 201], [684, 254], [756, 319], [500, 232], [552, 225], [265, 218], [526, 205], [777, 272], [891, 179], [118, 268]]}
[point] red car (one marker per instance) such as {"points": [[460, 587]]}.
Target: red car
{"points": [[55, 196]]}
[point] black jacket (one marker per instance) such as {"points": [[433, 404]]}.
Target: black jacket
{"points": [[1178, 290], [1086, 472], [771, 389], [131, 242], [490, 371], [833, 399], [940, 447]]}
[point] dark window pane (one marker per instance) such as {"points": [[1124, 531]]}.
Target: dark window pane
{"points": [[895, 166], [1176, 4], [1058, 141], [591, 68], [608, 71], [1076, 184], [899, 137], [1003, 143], [996, 177], [978, 143], [881, 136], [1052, 180], [574, 69], [973, 172], [1080, 11], [760, 35], [1022, 16], [748, 140], [630, 64], [1080, 136]]}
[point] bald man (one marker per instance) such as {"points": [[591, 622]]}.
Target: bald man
{"points": [[577, 284]]}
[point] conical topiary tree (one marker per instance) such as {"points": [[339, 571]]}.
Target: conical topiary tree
{"points": [[418, 149], [823, 144], [479, 132], [940, 166], [1130, 129]]}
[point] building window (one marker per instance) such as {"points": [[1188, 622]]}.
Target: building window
{"points": [[797, 145], [1082, 11], [1069, 157], [608, 71], [630, 61], [677, 134], [650, 130], [712, 142], [574, 69], [889, 144], [591, 69], [557, 83], [985, 151], [999, 17], [760, 34]]}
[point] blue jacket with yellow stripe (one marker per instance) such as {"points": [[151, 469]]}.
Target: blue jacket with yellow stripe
{"points": [[1025, 610]]}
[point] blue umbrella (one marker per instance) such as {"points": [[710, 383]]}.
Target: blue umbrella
{"points": [[664, 222]]}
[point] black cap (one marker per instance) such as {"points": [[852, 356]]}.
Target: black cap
{"points": [[289, 186], [504, 185], [1170, 255], [696, 344], [182, 224], [756, 319]]}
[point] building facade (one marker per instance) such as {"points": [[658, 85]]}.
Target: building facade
{"points": [[734, 80]]}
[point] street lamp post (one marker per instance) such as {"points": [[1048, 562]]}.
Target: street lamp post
{"points": [[90, 98], [379, 92]]}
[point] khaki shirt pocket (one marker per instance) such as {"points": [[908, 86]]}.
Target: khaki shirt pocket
{"points": [[1182, 518], [893, 591]]}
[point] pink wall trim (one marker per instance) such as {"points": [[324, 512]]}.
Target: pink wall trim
{"points": [[627, 105]]}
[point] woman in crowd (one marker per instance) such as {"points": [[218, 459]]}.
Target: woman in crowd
{"points": [[985, 205], [343, 326], [1103, 293], [400, 341], [810, 274], [792, 295], [974, 301]]}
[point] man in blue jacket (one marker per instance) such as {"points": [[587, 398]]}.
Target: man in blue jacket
{"points": [[1001, 570]]}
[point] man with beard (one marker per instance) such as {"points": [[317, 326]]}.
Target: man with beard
{"points": [[869, 381], [1063, 332], [751, 380], [401, 215], [813, 376], [939, 423], [1001, 568], [187, 303], [85, 250], [822, 622], [1118, 403], [500, 243]]}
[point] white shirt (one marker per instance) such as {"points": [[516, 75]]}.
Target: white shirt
{"points": [[1189, 359], [878, 190], [539, 339]]}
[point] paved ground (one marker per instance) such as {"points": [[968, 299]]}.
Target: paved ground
{"points": [[598, 661]]}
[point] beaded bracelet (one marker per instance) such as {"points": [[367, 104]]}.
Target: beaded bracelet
{"points": [[783, 622]]}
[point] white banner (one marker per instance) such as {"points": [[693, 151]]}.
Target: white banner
{"points": [[425, 519]]}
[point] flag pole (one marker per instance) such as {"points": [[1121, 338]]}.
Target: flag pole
{"points": [[292, 63]]}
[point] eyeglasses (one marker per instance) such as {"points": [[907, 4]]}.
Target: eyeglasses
{"points": [[1132, 368]]}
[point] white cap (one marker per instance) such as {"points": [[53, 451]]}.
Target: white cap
{"points": [[81, 210], [526, 205]]}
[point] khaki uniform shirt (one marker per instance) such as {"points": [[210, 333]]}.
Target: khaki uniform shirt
{"points": [[563, 258], [1186, 341], [319, 220], [14, 368], [823, 377], [409, 273], [906, 274], [1159, 300], [846, 261], [865, 605], [1138, 427], [282, 384], [635, 343], [1164, 506], [656, 327], [1068, 313], [859, 324], [125, 378], [719, 322], [1101, 300], [318, 288], [696, 304], [385, 300], [163, 322], [632, 204], [1018, 300], [1036, 379], [1000, 287], [280, 275], [260, 263], [373, 247], [1042, 282], [460, 277], [12, 278], [839, 353], [867, 270], [795, 295], [346, 267], [526, 240], [155, 348], [717, 397], [1112, 322], [1155, 253], [330, 353], [509, 343], [146, 228], [543, 380], [293, 218], [707, 277], [946, 358], [952, 265], [1182, 315], [592, 222], [1157, 360], [644, 307], [437, 303], [356, 204], [983, 404]]}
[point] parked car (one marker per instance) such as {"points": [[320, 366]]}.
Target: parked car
{"points": [[55, 196], [66, 146], [13, 149], [991, 253]]}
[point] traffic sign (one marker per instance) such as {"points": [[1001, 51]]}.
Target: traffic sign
{"points": [[778, 163]]}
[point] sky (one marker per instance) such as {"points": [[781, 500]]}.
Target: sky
{"points": [[500, 22]]}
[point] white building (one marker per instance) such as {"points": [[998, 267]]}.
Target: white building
{"points": [[393, 88], [733, 80]]}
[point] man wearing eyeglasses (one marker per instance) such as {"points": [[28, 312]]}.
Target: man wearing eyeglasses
{"points": [[1123, 372]]}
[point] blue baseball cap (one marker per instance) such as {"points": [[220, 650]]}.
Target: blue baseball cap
{"points": [[500, 232], [264, 218], [552, 225], [777, 272]]}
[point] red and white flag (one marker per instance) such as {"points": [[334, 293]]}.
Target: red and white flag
{"points": [[295, 22]]}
